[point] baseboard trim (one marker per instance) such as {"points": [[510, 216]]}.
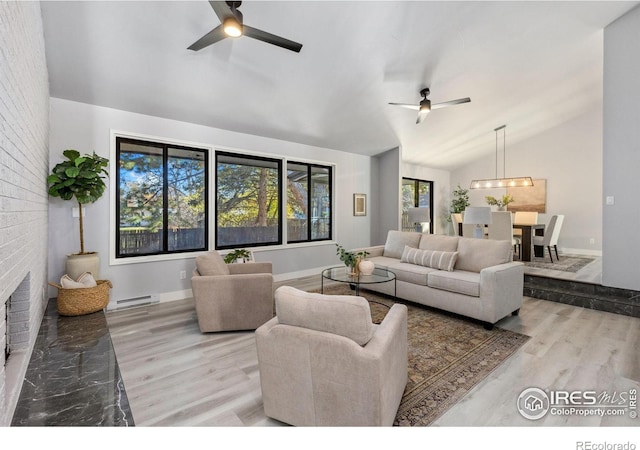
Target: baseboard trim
{"points": [[579, 251]]}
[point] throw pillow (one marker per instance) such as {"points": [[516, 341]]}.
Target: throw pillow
{"points": [[430, 258], [87, 280], [69, 283], [397, 240]]}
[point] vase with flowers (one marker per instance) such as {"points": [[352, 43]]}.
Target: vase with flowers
{"points": [[350, 259], [501, 202]]}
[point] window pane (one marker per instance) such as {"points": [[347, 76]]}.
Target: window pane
{"points": [[297, 201], [141, 199], [408, 194], [248, 201], [424, 195], [320, 203], [186, 199]]}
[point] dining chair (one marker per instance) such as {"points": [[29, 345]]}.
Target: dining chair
{"points": [[501, 229], [525, 217], [551, 234], [456, 220]]}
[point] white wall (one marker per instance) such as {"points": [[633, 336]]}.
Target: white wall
{"points": [[622, 152], [24, 166], [441, 193], [87, 128], [569, 157]]}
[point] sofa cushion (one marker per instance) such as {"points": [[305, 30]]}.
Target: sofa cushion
{"points": [[411, 273], [459, 281], [477, 254], [211, 263], [396, 240], [344, 315], [438, 242], [429, 258]]}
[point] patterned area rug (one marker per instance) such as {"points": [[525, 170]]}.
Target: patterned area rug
{"points": [[448, 356], [565, 264]]}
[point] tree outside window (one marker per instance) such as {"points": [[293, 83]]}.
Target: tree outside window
{"points": [[247, 201], [308, 202], [162, 198]]}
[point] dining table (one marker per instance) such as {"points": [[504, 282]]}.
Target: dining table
{"points": [[526, 244]]}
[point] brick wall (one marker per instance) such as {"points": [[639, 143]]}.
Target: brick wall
{"points": [[24, 165]]}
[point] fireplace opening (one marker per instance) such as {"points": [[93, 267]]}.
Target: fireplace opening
{"points": [[7, 346], [16, 319]]}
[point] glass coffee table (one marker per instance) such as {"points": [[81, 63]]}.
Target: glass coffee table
{"points": [[341, 275]]}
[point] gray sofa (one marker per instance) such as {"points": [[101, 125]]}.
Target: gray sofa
{"points": [[476, 278]]}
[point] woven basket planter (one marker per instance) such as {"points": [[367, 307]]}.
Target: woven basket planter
{"points": [[76, 302]]}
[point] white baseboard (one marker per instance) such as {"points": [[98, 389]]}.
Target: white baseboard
{"points": [[579, 251], [162, 297]]}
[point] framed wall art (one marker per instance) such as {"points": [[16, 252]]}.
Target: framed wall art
{"points": [[359, 204], [532, 198]]}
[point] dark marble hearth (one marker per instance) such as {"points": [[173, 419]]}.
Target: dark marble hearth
{"points": [[586, 295], [73, 377]]}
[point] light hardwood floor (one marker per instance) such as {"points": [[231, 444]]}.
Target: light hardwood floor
{"points": [[176, 376]]}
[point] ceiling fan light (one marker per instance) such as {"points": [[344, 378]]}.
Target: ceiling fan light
{"points": [[232, 27]]}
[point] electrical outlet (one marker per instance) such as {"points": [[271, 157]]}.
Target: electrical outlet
{"points": [[183, 274], [592, 241]]}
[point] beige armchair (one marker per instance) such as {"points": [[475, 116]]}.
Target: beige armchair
{"points": [[231, 296], [323, 362]]}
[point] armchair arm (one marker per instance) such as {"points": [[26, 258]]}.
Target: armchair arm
{"points": [[251, 267], [389, 346]]}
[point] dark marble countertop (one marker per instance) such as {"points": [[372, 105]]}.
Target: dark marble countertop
{"points": [[73, 377]]}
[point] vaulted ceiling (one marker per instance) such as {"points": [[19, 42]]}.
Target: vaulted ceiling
{"points": [[531, 65]]}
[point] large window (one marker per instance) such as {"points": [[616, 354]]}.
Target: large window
{"points": [[308, 202], [417, 193], [161, 199], [248, 201]]}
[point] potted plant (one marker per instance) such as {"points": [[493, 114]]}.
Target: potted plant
{"points": [[459, 202], [501, 203], [350, 259], [80, 178], [239, 254]]}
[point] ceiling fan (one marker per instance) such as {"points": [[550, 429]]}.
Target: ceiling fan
{"points": [[425, 104], [232, 26]]}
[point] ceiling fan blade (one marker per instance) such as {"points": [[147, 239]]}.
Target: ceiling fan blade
{"points": [[213, 36], [421, 116], [222, 10], [271, 38], [405, 105], [450, 103]]}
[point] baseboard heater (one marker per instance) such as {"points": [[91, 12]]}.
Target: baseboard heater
{"points": [[137, 301]]}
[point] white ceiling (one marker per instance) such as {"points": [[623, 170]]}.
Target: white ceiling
{"points": [[530, 65]]}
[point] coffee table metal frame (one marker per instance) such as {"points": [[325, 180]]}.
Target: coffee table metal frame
{"points": [[341, 275]]}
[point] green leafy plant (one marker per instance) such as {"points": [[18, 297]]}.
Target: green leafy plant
{"points": [[499, 202], [460, 201], [237, 254], [349, 258], [79, 177]]}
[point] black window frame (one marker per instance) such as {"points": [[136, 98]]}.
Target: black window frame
{"points": [[416, 198], [278, 161], [165, 213], [309, 209]]}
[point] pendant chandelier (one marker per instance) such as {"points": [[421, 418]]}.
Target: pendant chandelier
{"points": [[504, 181]]}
